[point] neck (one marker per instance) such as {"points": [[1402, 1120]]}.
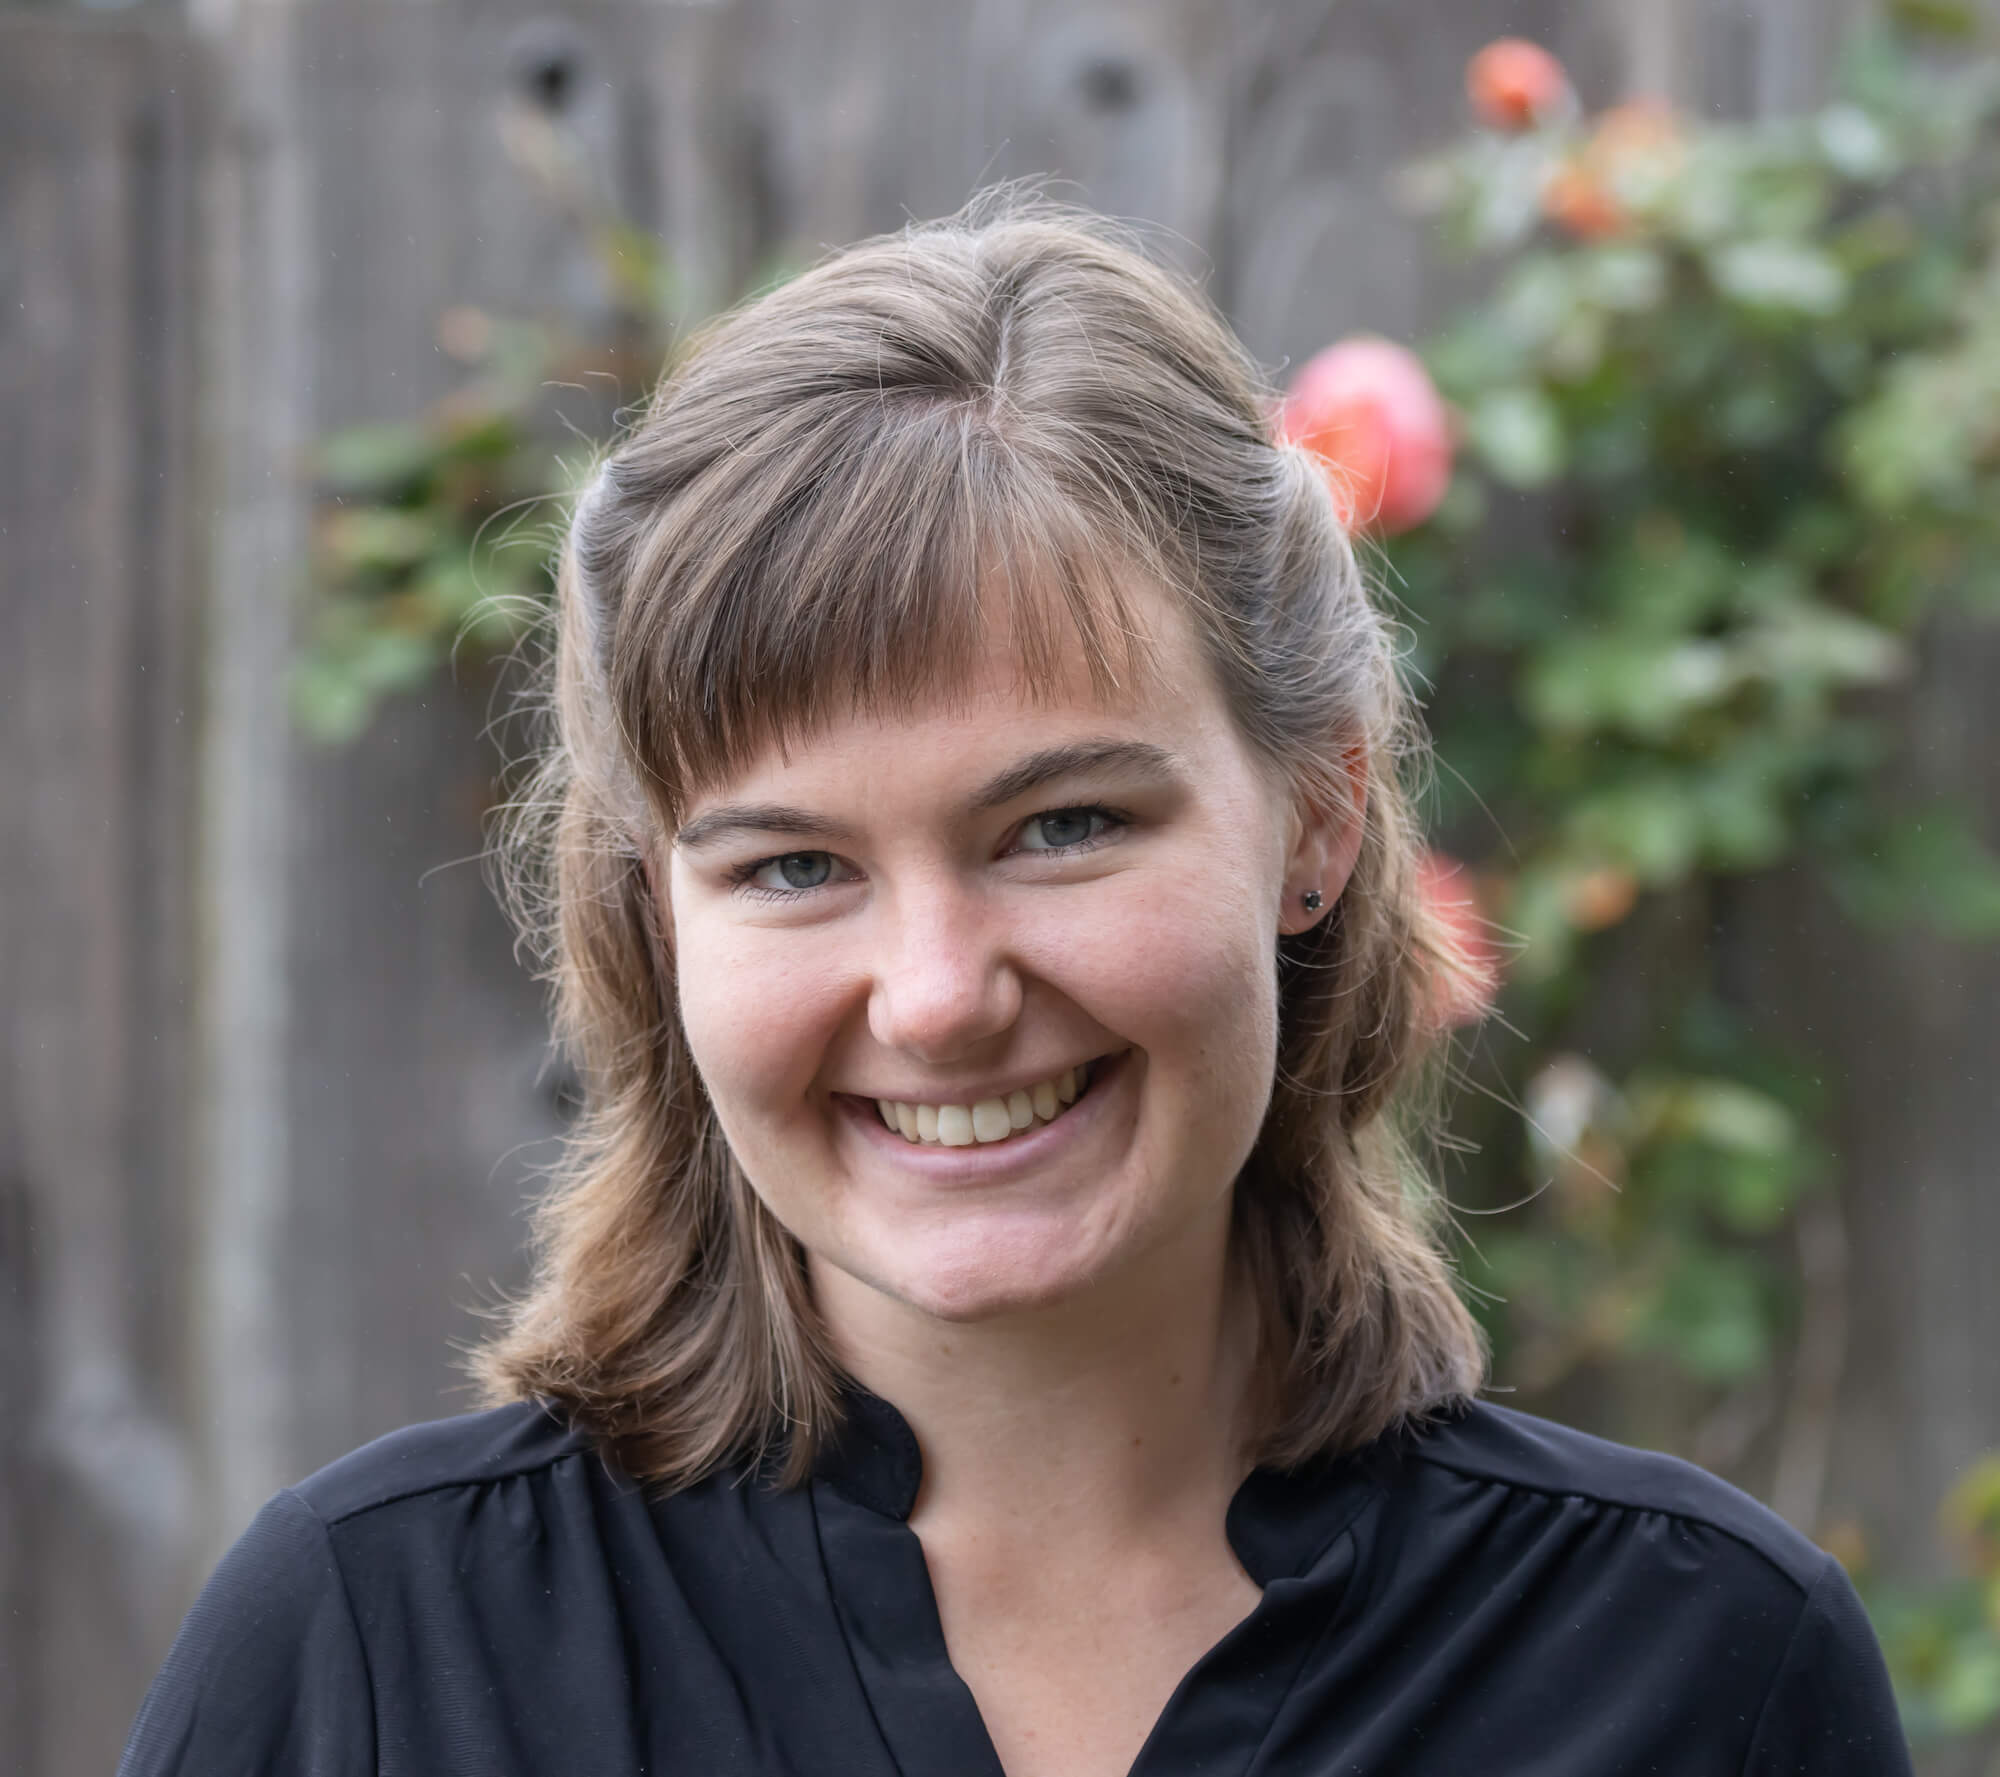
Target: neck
{"points": [[1108, 1417]]}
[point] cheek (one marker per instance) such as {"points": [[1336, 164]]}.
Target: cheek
{"points": [[1182, 963], [757, 1016]]}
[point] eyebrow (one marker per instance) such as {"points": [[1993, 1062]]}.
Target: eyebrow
{"points": [[1133, 758]]}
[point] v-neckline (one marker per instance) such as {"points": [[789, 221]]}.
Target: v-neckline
{"points": [[1291, 1532]]}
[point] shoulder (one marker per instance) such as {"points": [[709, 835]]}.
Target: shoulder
{"points": [[1516, 1453], [1569, 1563], [267, 1672], [438, 1456], [271, 1669]]}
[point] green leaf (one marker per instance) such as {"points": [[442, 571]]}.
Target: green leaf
{"points": [[1753, 1194], [1930, 432], [1711, 1315], [1956, 21], [1802, 640], [1652, 825], [1927, 867], [1505, 203], [378, 539], [1519, 434], [329, 703], [1855, 144], [1668, 581], [479, 437], [1628, 280], [1628, 683], [1755, 414], [1781, 275], [392, 660], [1745, 809], [1464, 507], [380, 458], [1474, 356], [1538, 915], [1727, 1114], [1536, 299], [1705, 203], [1968, 1694]]}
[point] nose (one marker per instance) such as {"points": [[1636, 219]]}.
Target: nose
{"points": [[944, 980]]}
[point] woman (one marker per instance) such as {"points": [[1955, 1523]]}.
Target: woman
{"points": [[987, 1323]]}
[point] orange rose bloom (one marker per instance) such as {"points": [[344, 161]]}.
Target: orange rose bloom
{"points": [[1514, 85]]}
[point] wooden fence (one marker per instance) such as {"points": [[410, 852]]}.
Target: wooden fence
{"points": [[274, 1086]]}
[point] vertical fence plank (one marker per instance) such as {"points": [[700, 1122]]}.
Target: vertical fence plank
{"points": [[256, 329], [99, 718]]}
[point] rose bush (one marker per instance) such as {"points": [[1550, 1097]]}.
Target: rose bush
{"points": [[1729, 433]]}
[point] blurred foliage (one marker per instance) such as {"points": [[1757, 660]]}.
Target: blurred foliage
{"points": [[1742, 383], [1944, 1646], [413, 551], [434, 537]]}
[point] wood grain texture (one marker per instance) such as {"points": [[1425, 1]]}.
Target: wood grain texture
{"points": [[98, 716], [415, 1106], [1325, 102]]}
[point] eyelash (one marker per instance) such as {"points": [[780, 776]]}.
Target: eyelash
{"points": [[743, 877]]}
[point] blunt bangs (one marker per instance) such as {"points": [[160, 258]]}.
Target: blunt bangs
{"points": [[868, 579]]}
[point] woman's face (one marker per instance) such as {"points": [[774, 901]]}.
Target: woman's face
{"points": [[959, 911]]}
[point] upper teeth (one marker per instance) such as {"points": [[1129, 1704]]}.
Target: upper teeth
{"points": [[991, 1119]]}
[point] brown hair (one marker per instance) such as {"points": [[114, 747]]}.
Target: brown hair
{"points": [[803, 522]]}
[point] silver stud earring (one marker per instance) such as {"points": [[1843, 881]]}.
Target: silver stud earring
{"points": [[1311, 898]]}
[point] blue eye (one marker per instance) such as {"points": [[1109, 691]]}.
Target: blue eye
{"points": [[1065, 829], [782, 878], [800, 869], [793, 875]]}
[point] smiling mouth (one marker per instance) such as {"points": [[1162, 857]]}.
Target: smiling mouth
{"points": [[990, 1120]]}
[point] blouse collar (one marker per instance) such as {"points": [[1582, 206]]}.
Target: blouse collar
{"points": [[1280, 1521], [873, 1457]]}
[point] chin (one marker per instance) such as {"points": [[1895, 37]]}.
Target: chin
{"points": [[990, 1274]]}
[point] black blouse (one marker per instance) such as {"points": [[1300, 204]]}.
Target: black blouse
{"points": [[485, 1597]]}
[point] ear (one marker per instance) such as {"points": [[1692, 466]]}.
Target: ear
{"points": [[1326, 841]]}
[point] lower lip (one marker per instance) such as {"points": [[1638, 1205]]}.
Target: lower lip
{"points": [[984, 1161]]}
